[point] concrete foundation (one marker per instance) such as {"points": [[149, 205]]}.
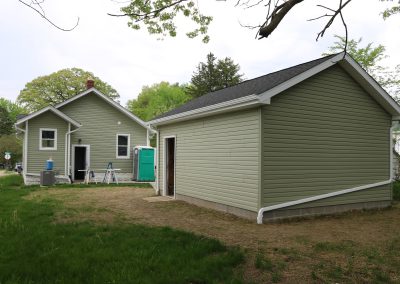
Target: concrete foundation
{"points": [[322, 210], [247, 214], [34, 179], [282, 214]]}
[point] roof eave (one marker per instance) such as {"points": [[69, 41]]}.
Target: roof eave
{"points": [[241, 103], [108, 100], [370, 85], [52, 109]]}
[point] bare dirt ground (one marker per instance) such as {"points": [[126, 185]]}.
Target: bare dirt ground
{"points": [[5, 173], [323, 249]]}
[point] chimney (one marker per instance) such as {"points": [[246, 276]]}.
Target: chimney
{"points": [[89, 83]]}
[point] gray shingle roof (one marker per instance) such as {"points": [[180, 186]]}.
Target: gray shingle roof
{"points": [[249, 87]]}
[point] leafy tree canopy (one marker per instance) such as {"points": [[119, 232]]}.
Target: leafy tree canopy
{"points": [[160, 16], [12, 108], [370, 57], [60, 86], [157, 99], [6, 124], [213, 75], [10, 143]]}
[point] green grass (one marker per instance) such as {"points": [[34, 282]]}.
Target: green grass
{"points": [[34, 249], [396, 190], [11, 180]]}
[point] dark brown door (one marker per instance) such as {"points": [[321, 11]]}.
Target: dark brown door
{"points": [[170, 166], [79, 163]]}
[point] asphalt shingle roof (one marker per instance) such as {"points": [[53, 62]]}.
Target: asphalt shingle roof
{"points": [[249, 87]]}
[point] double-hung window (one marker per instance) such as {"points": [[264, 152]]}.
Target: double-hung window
{"points": [[123, 144], [48, 139]]}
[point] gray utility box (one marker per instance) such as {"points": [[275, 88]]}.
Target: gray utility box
{"points": [[47, 178]]}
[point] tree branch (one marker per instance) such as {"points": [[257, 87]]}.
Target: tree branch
{"points": [[41, 12], [151, 14], [276, 17]]}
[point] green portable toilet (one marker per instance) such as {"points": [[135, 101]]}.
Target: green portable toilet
{"points": [[143, 163]]}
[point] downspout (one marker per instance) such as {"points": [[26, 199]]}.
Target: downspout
{"points": [[336, 193], [68, 139], [25, 150]]}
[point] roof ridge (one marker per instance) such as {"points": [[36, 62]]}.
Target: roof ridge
{"points": [[268, 74], [202, 100]]}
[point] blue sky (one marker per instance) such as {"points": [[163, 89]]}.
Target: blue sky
{"points": [[129, 59]]}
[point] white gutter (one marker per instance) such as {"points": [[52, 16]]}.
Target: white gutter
{"points": [[68, 139], [335, 193], [208, 110]]}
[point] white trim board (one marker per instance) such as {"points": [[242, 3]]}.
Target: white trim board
{"points": [[128, 156], [240, 103], [109, 101], [52, 109], [41, 148]]}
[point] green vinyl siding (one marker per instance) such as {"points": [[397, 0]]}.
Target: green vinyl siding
{"points": [[323, 135], [101, 123], [217, 158], [36, 157]]}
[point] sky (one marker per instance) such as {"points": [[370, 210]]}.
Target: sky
{"points": [[129, 59]]}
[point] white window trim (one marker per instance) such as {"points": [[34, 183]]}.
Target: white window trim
{"points": [[129, 146], [55, 139]]}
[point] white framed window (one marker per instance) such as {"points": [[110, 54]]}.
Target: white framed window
{"points": [[123, 146], [48, 139]]}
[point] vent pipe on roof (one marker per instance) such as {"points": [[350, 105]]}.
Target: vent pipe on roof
{"points": [[89, 83]]}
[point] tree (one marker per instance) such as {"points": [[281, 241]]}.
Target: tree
{"points": [[211, 76], [157, 99], [58, 87], [10, 143], [13, 109], [159, 16], [369, 57], [6, 124]]}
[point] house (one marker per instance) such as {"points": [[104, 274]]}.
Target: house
{"points": [[310, 139], [87, 130]]}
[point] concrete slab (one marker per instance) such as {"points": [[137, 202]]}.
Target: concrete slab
{"points": [[158, 199]]}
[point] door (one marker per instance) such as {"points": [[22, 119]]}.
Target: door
{"points": [[146, 165], [170, 166], [79, 162]]}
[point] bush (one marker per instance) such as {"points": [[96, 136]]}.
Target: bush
{"points": [[396, 190]]}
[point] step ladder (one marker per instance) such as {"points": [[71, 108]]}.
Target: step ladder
{"points": [[109, 175]]}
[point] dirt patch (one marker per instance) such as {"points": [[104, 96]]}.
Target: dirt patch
{"points": [[329, 239], [5, 173]]}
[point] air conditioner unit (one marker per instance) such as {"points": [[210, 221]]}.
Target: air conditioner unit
{"points": [[143, 163], [47, 178]]}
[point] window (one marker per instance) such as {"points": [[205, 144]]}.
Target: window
{"points": [[48, 139], [123, 141]]}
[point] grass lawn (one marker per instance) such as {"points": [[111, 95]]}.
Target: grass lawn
{"points": [[75, 234], [36, 249]]}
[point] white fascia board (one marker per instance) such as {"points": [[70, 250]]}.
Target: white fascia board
{"points": [[370, 85], [244, 102], [108, 100], [266, 96], [52, 109]]}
